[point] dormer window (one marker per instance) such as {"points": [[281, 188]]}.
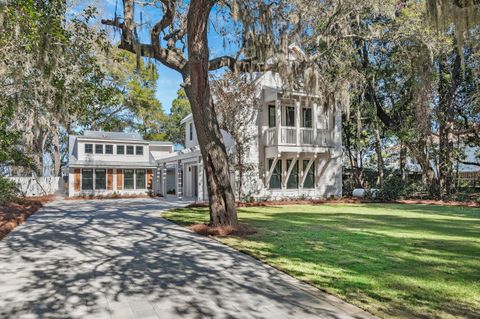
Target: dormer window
{"points": [[139, 150], [88, 148], [108, 149], [130, 150], [120, 149], [98, 148], [190, 129]]}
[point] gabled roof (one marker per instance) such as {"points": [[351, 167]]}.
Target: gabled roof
{"points": [[186, 118], [112, 135]]}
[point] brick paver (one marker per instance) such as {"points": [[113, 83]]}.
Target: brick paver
{"points": [[120, 259]]}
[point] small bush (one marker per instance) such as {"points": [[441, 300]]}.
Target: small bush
{"points": [[8, 190], [392, 189]]}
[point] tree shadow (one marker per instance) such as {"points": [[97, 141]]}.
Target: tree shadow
{"points": [[380, 258], [119, 258]]}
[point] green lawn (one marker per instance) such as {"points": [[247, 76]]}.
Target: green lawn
{"points": [[399, 261]]}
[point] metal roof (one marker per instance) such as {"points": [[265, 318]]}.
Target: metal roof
{"points": [[113, 135], [118, 164]]}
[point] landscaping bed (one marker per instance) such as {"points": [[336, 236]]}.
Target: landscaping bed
{"points": [[393, 260], [16, 212]]}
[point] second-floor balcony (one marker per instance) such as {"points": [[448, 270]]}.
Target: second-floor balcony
{"points": [[298, 136]]}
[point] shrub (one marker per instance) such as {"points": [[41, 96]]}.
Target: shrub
{"points": [[8, 190], [392, 188]]}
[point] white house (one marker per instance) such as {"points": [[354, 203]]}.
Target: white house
{"points": [[296, 153], [103, 163]]}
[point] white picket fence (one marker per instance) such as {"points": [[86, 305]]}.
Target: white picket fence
{"points": [[38, 186]]}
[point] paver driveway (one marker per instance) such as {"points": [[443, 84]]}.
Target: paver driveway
{"points": [[120, 259]]}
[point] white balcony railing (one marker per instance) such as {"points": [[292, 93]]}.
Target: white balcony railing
{"points": [[288, 135], [307, 136], [324, 137], [299, 136], [271, 136]]}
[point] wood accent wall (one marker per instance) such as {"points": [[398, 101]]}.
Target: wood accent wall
{"points": [[109, 179], [119, 179], [76, 179], [149, 179]]}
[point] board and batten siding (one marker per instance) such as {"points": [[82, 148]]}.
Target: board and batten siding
{"points": [[76, 179], [119, 179]]}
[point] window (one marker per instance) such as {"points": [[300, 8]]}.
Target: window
{"points": [[190, 130], [290, 116], [98, 148], [276, 179], [293, 179], [129, 150], [272, 117], [100, 179], [108, 149], [310, 175], [139, 150], [120, 149], [140, 179], [87, 178], [88, 148], [128, 182], [307, 117]]}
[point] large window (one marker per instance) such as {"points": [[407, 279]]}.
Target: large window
{"points": [[87, 179], [272, 117], [129, 149], [139, 150], [108, 149], [190, 130], [128, 180], [98, 148], [276, 179], [290, 116], [120, 149], [293, 179], [88, 148], [140, 179], [310, 175], [100, 179], [307, 117]]}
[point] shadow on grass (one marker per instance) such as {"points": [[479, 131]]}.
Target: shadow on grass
{"points": [[103, 259], [396, 260]]}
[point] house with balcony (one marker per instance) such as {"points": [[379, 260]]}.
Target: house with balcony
{"points": [[107, 163], [296, 152]]}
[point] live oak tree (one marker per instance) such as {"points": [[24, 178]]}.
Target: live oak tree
{"points": [[254, 28]]}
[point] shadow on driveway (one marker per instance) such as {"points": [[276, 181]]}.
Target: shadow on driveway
{"points": [[120, 259]]}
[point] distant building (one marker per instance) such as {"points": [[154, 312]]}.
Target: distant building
{"points": [[103, 163]]}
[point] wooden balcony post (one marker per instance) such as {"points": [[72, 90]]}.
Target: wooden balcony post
{"points": [[278, 119], [297, 120], [314, 122]]}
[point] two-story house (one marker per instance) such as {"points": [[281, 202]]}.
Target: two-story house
{"points": [[296, 153], [104, 163]]}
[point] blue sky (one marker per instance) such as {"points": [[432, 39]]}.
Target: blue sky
{"points": [[169, 80]]}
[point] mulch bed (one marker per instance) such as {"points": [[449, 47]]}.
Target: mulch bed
{"points": [[17, 212], [222, 231], [348, 200]]}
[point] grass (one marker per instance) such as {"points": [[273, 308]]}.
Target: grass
{"points": [[395, 261]]}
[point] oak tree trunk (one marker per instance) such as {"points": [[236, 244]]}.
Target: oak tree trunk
{"points": [[220, 192]]}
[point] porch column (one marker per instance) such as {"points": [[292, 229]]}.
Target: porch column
{"points": [[297, 120], [314, 122], [179, 178], [337, 137], [200, 179], [278, 118]]}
